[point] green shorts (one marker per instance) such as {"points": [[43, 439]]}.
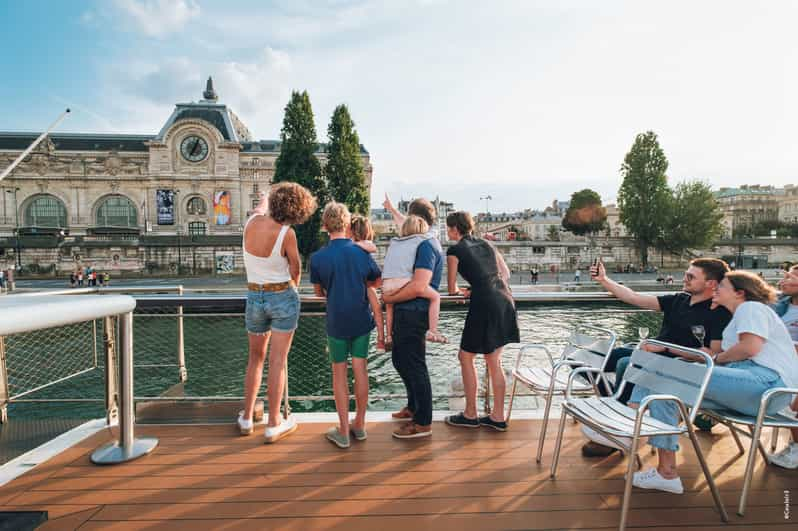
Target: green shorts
{"points": [[340, 349]]}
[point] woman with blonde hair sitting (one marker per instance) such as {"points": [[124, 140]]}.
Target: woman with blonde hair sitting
{"points": [[756, 355]]}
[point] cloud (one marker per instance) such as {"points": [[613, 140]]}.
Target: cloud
{"points": [[158, 18], [144, 93]]}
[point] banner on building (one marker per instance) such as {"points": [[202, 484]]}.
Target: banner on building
{"points": [[222, 209], [165, 202]]}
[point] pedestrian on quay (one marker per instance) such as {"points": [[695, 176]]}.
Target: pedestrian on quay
{"points": [[107, 278], [273, 267], [410, 325], [491, 322], [343, 273]]}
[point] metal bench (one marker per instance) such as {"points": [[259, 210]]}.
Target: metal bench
{"points": [[672, 379], [733, 421], [588, 346]]}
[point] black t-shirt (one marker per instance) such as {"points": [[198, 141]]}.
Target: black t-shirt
{"points": [[680, 317]]}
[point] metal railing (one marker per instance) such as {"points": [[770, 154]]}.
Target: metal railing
{"points": [[194, 348]]}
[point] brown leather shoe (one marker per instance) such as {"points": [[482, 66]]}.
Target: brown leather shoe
{"points": [[402, 414], [411, 430], [594, 449]]}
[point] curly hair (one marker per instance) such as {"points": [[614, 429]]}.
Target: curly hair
{"points": [[290, 203], [361, 229]]}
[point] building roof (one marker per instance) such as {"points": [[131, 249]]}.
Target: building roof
{"points": [[749, 190], [14, 141]]}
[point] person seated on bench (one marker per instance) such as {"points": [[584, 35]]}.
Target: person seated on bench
{"points": [[756, 354], [683, 314]]}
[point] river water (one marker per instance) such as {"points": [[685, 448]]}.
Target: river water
{"points": [[216, 355]]}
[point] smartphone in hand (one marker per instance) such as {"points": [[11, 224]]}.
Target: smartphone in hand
{"points": [[594, 267]]}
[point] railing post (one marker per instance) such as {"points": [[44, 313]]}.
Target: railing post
{"points": [[487, 390], [128, 447], [111, 385], [181, 352], [94, 339], [4, 394], [286, 405]]}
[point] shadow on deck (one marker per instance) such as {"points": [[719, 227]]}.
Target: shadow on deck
{"points": [[207, 477]]}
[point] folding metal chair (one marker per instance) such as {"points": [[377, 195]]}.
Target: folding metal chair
{"points": [[672, 379], [587, 346], [732, 420]]}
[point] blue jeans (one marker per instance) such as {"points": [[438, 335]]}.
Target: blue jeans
{"points": [[738, 386], [272, 310]]}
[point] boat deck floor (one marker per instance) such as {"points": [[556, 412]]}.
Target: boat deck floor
{"points": [[207, 477]]}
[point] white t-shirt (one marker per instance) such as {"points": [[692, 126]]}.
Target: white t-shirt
{"points": [[778, 352], [791, 321]]}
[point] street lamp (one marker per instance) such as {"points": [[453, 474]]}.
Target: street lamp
{"points": [[16, 228], [486, 199]]}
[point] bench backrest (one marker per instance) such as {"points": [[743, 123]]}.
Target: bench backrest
{"points": [[671, 376]]}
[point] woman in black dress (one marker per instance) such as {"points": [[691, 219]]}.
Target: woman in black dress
{"points": [[491, 322]]}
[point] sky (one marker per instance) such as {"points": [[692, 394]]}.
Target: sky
{"points": [[525, 101]]}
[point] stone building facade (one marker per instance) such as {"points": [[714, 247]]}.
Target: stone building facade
{"points": [[178, 198]]}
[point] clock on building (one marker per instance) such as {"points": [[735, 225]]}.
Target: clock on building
{"points": [[194, 148]]}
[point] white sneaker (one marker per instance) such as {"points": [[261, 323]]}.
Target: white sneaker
{"points": [[245, 426], [285, 428], [787, 458], [598, 438], [651, 479]]}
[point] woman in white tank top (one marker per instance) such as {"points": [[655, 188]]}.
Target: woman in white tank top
{"points": [[271, 259]]}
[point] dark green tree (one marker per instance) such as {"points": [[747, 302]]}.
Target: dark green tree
{"points": [[693, 219], [344, 170], [585, 215], [297, 163], [553, 234], [644, 196]]}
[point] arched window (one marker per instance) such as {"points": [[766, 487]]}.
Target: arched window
{"points": [[196, 228], [196, 206], [117, 211], [46, 211]]}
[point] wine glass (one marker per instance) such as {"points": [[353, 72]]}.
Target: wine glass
{"points": [[699, 333], [642, 332]]}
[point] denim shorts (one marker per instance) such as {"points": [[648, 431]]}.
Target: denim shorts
{"points": [[272, 310]]}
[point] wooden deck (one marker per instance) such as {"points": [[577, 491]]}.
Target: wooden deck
{"points": [[207, 477]]}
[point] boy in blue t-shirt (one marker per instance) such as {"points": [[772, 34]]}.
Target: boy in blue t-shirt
{"points": [[342, 272]]}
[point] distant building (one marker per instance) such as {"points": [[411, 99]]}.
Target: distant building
{"points": [[614, 225], [383, 223], [131, 202], [788, 208], [749, 204]]}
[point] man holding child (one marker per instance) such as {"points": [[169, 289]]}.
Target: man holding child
{"points": [[410, 325]]}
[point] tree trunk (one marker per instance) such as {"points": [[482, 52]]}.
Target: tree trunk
{"points": [[644, 254]]}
